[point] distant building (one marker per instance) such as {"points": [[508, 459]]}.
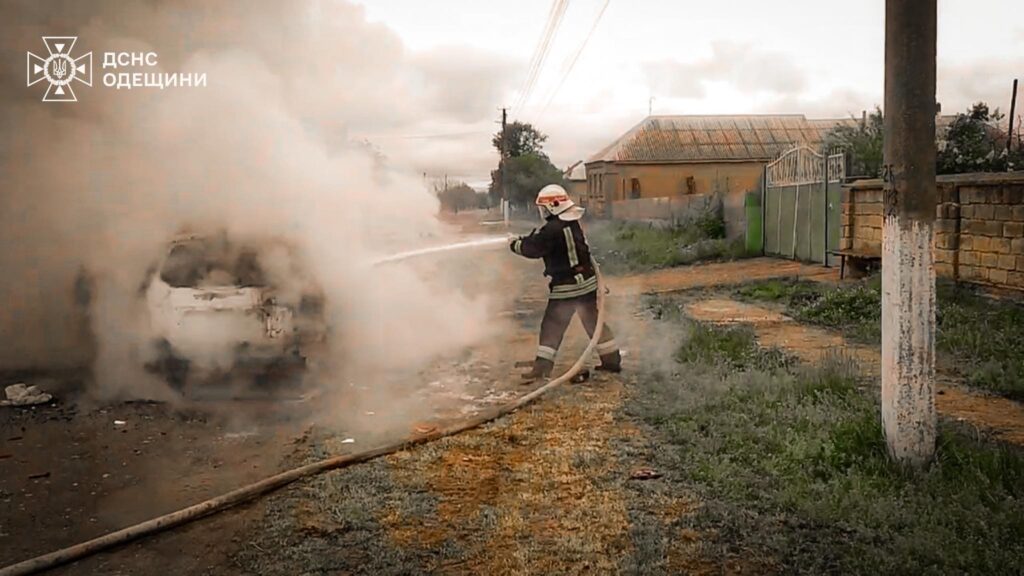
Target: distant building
{"points": [[677, 156], [576, 181]]}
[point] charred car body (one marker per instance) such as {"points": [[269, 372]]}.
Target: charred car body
{"points": [[223, 310]]}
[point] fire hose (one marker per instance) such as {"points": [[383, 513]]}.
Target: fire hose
{"points": [[267, 485]]}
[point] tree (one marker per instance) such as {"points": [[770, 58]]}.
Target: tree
{"points": [[863, 142], [460, 196], [521, 138], [527, 168], [974, 143], [526, 175]]}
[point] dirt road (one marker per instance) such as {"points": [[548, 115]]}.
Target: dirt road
{"points": [[73, 474]]}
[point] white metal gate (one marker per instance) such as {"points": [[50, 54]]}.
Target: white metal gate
{"points": [[801, 204]]}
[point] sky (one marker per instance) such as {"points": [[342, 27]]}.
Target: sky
{"points": [[423, 81], [820, 58]]}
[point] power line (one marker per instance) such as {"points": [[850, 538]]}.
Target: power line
{"points": [[575, 57], [542, 52], [547, 48], [535, 57]]}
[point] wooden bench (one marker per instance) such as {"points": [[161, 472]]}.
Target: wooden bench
{"points": [[855, 256]]}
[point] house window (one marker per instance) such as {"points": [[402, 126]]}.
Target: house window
{"points": [[691, 185], [634, 188]]}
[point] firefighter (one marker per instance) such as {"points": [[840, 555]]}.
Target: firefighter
{"points": [[573, 287]]}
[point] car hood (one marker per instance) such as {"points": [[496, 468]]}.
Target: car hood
{"points": [[215, 298]]}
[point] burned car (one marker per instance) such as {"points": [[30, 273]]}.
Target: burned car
{"points": [[221, 310]]}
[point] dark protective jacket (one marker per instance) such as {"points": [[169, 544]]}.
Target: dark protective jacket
{"points": [[566, 257]]}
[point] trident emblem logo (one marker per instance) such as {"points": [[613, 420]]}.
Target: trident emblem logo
{"points": [[59, 69]]}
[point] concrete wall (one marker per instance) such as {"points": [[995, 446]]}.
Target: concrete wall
{"points": [[979, 228], [610, 188], [670, 211]]}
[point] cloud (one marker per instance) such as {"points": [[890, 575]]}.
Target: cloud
{"points": [[838, 103], [742, 65], [991, 81], [464, 84]]}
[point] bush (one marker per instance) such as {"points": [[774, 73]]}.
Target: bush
{"points": [[709, 225]]}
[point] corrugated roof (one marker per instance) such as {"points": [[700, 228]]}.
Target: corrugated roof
{"points": [[714, 138]]}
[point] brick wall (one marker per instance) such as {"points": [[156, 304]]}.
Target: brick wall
{"points": [[979, 227]]}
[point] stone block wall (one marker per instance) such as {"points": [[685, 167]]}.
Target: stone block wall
{"points": [[861, 218], [979, 226]]}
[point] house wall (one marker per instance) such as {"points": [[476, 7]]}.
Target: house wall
{"points": [[979, 227], [577, 190], [610, 188]]}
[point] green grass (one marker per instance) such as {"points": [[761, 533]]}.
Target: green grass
{"points": [[978, 338], [855, 309], [630, 247], [791, 464], [730, 347], [982, 339]]}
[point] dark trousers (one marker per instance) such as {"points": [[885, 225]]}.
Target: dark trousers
{"points": [[557, 317]]}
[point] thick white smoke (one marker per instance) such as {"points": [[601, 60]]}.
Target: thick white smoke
{"points": [[103, 184]]}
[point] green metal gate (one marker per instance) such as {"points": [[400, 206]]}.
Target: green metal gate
{"points": [[802, 205]]}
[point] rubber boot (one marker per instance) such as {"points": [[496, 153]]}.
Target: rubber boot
{"points": [[541, 369], [610, 362]]}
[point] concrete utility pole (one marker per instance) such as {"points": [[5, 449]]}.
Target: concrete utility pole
{"points": [[908, 271]]}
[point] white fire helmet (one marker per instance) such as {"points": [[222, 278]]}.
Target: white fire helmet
{"points": [[553, 200]]}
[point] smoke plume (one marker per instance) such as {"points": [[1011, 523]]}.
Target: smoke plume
{"points": [[97, 188]]}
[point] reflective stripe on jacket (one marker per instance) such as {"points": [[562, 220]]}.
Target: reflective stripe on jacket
{"points": [[566, 255]]}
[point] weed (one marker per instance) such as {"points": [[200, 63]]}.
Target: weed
{"points": [[709, 225], [983, 339], [626, 247], [776, 290], [978, 337], [856, 309], [732, 347]]}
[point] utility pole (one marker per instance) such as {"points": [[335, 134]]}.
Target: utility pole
{"points": [[502, 165], [1013, 110], [908, 270]]}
